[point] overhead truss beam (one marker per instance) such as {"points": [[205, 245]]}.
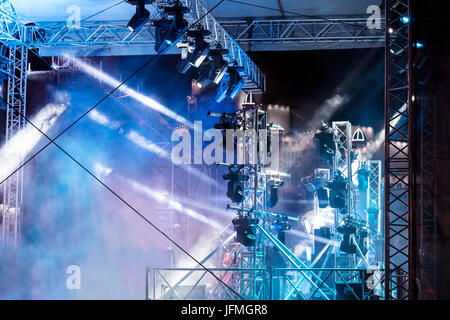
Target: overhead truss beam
{"points": [[305, 34]]}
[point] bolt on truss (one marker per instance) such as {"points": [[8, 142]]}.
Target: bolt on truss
{"points": [[398, 166], [267, 34]]}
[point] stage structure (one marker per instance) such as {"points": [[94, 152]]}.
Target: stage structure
{"points": [[355, 272], [16, 39], [399, 199], [13, 68]]}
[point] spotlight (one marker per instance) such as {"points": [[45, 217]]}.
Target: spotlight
{"points": [[419, 45], [353, 231], [405, 19], [170, 27], [220, 65], [222, 88], [245, 228], [338, 194], [140, 18], [213, 69], [322, 196], [235, 191], [272, 192], [204, 75], [194, 51], [235, 84], [280, 226], [347, 244], [325, 141]]}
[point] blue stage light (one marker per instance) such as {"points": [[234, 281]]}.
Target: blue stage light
{"points": [[405, 19], [419, 45]]}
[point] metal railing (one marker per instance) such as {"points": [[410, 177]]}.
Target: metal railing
{"points": [[271, 283]]}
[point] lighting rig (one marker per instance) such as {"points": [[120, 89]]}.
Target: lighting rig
{"points": [[171, 25], [198, 50], [253, 188], [352, 206]]}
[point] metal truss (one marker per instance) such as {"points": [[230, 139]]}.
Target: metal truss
{"points": [[160, 286], [12, 31], [342, 160], [374, 213], [114, 38], [305, 34], [16, 107], [398, 166]]}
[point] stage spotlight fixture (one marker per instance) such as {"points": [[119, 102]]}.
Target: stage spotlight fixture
{"points": [[245, 228], [280, 226], [236, 83], [405, 19], [347, 244], [325, 141], [222, 88], [220, 65], [236, 179], [322, 197], [194, 51], [272, 197], [169, 28], [140, 18], [213, 69], [204, 76], [272, 191], [338, 188]]}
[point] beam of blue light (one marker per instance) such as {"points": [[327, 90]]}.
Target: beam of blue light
{"points": [[145, 100]]}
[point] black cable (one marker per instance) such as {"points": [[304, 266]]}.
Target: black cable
{"points": [[95, 14], [52, 141], [296, 13]]}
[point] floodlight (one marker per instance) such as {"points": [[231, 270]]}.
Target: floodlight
{"points": [[140, 18]]}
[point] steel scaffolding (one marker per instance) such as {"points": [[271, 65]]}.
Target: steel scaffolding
{"points": [[305, 34], [15, 69], [398, 151]]}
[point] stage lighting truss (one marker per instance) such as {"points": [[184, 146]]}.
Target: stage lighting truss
{"points": [[170, 26], [141, 17]]}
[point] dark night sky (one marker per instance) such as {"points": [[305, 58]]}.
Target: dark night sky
{"points": [[305, 79]]}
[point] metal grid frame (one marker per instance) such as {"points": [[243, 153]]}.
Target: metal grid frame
{"points": [[399, 184], [305, 31], [16, 107]]}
